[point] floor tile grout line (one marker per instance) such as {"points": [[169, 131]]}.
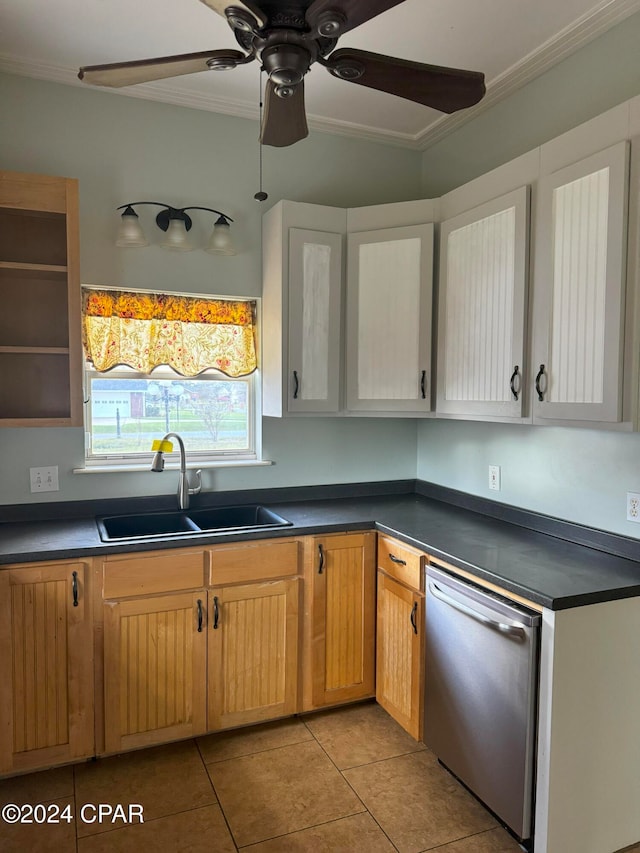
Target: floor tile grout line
{"points": [[218, 801], [353, 789]]}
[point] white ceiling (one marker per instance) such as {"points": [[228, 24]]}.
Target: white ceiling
{"points": [[511, 41]]}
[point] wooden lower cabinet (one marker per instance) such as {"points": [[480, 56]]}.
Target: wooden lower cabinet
{"points": [[400, 653], [46, 665], [155, 670], [340, 619], [253, 652]]}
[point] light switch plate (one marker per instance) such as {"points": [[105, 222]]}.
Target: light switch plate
{"points": [[44, 479], [494, 478]]}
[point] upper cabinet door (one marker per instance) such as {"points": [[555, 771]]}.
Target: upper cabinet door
{"points": [[580, 289], [389, 290], [482, 309], [315, 286]]}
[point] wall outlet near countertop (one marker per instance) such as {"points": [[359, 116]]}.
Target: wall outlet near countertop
{"points": [[494, 478], [44, 479], [633, 506]]}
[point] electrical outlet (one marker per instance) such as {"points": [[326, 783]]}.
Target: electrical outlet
{"points": [[494, 478], [633, 506], [44, 479]]}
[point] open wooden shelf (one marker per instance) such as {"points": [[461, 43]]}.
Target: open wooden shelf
{"points": [[40, 348]]}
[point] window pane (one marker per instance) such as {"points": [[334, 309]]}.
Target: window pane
{"points": [[211, 415]]}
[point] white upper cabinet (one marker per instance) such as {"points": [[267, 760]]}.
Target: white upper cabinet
{"points": [[389, 295], [579, 290], [302, 352], [482, 309], [315, 288]]}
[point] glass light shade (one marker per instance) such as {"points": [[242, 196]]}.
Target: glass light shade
{"points": [[221, 242], [176, 236], [130, 233]]}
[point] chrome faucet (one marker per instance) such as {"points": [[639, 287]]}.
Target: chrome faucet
{"points": [[184, 490]]}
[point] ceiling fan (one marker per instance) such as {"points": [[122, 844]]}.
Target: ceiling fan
{"points": [[287, 37]]}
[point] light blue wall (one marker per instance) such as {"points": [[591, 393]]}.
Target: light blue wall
{"points": [[581, 475], [576, 474], [126, 149]]}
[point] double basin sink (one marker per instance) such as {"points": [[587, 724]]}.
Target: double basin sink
{"points": [[220, 519]]}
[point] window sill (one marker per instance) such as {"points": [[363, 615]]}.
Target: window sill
{"points": [[170, 466]]}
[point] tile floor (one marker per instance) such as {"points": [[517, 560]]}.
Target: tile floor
{"points": [[338, 781]]}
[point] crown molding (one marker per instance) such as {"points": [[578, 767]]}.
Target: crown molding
{"points": [[559, 47], [554, 50]]}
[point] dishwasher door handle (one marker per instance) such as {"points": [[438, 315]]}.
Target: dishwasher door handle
{"points": [[517, 631]]}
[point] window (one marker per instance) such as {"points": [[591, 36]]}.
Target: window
{"points": [[159, 363]]}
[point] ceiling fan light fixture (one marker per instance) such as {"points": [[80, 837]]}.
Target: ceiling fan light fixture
{"points": [[130, 234], [286, 64]]}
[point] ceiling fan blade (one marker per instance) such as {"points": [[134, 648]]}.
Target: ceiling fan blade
{"points": [[284, 121], [219, 6], [356, 12], [444, 89], [144, 70]]}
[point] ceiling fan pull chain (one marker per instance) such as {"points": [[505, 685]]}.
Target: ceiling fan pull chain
{"points": [[260, 195]]}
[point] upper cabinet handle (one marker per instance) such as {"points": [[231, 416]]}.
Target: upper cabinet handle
{"points": [[423, 386], [539, 376], [74, 588], [320, 559], [512, 382], [296, 385]]}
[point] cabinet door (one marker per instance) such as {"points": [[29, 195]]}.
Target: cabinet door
{"points": [[389, 287], [253, 652], [481, 308], [46, 666], [579, 290], [154, 669], [399, 655], [315, 288], [340, 573]]}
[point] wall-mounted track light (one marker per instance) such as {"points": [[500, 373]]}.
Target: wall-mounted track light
{"points": [[176, 224]]}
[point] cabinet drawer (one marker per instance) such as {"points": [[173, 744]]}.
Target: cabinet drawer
{"points": [[152, 573], [253, 561], [401, 561]]}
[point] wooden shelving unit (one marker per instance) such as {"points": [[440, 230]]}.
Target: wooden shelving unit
{"points": [[40, 346]]}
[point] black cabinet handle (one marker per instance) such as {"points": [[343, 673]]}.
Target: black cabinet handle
{"points": [[296, 385], [199, 615], [512, 382], [539, 376], [414, 610], [216, 613], [74, 587], [397, 560], [320, 559], [423, 380]]}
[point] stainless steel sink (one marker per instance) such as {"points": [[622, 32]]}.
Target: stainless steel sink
{"points": [[221, 519]]}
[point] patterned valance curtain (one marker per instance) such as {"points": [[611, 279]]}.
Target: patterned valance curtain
{"points": [[189, 334]]}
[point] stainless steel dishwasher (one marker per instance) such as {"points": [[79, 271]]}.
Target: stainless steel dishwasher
{"points": [[481, 694]]}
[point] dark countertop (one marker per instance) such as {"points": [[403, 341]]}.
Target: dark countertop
{"points": [[541, 566]]}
